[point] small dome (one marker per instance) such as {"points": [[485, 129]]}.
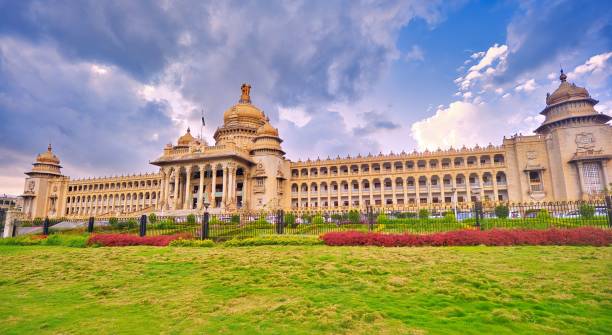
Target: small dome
{"points": [[267, 129], [186, 139], [48, 157], [566, 91]]}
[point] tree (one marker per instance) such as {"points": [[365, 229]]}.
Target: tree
{"points": [[290, 220], [502, 211], [235, 219], [191, 218], [318, 220], [354, 216], [587, 211], [423, 213], [152, 218]]}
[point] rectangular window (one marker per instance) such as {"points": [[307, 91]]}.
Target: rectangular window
{"points": [[591, 174]]}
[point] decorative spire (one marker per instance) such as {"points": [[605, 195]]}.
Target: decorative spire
{"points": [[245, 98], [562, 77], [49, 147], [188, 130]]}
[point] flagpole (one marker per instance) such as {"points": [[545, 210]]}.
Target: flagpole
{"points": [[202, 125]]}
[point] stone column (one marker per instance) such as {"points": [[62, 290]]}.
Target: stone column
{"points": [[393, 197], [187, 201], [177, 172], [371, 192], [495, 189], [213, 189], [580, 179], [468, 189], [224, 185], [231, 189], [350, 193], [201, 186], [11, 217], [360, 194], [405, 183], [163, 190], [442, 190], [245, 189], [417, 190]]}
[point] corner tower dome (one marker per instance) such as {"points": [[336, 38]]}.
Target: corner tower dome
{"points": [[47, 163], [567, 105]]}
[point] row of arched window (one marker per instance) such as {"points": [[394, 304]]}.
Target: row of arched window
{"points": [[389, 184], [115, 185], [399, 166]]}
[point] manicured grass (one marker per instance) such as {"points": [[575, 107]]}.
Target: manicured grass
{"points": [[305, 290]]}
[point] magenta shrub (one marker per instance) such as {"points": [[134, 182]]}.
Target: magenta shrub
{"points": [[123, 240], [495, 237]]}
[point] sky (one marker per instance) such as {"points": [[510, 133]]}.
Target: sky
{"points": [[109, 83]]}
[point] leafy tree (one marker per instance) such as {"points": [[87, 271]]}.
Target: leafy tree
{"points": [[449, 217], [502, 211], [290, 220], [318, 220], [543, 214], [191, 218], [587, 211], [354, 216], [152, 218], [235, 219], [423, 213]]}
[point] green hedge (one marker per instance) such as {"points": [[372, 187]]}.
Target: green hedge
{"points": [[191, 243], [274, 240], [73, 241]]}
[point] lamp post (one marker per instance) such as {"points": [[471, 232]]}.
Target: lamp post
{"points": [[205, 227]]}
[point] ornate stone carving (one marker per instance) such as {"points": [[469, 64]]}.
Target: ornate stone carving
{"points": [[585, 141]]}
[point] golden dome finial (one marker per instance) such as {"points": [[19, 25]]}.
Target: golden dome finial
{"points": [[49, 147], [245, 98], [562, 77]]}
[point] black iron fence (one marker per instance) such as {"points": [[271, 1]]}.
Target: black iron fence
{"points": [[220, 227]]}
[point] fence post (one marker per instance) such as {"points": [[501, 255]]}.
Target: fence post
{"points": [[90, 225], [609, 209], [478, 212], [280, 227], [205, 233], [370, 213], [46, 226], [143, 225]]}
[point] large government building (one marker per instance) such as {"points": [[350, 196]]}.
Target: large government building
{"points": [[568, 158]]}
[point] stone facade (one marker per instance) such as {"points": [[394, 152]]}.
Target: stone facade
{"points": [[567, 159]]}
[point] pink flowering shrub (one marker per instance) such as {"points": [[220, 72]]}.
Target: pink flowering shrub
{"points": [[122, 240], [494, 237]]}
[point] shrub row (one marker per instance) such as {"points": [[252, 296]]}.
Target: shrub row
{"points": [[495, 237], [122, 240], [181, 242], [75, 241], [274, 240]]}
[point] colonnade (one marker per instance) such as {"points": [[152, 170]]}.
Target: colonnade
{"points": [[178, 186]]}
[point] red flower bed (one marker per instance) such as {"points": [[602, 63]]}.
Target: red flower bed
{"points": [[122, 240], [578, 236]]}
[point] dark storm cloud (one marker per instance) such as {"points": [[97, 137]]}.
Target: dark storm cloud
{"points": [[375, 121], [293, 53]]}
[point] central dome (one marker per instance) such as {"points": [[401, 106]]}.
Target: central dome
{"points": [[244, 110]]}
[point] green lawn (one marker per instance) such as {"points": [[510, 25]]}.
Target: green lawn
{"points": [[305, 290]]}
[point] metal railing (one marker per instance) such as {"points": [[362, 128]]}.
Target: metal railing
{"points": [[410, 219]]}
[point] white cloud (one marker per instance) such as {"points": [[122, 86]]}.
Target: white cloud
{"points": [[462, 123], [295, 115], [415, 54], [527, 86], [477, 55], [595, 70], [493, 53]]}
